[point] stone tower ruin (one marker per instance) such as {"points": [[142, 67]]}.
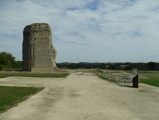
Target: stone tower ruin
{"points": [[39, 55]]}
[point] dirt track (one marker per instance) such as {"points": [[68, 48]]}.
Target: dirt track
{"points": [[83, 97]]}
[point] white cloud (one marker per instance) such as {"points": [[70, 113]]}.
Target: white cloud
{"points": [[86, 30]]}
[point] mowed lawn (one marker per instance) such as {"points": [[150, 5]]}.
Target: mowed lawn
{"points": [[153, 78], [21, 74], [10, 96]]}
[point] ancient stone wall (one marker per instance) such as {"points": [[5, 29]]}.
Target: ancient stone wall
{"points": [[39, 55]]}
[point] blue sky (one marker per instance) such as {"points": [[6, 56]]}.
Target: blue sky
{"points": [[86, 30]]}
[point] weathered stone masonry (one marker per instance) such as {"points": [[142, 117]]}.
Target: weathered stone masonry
{"points": [[39, 55]]}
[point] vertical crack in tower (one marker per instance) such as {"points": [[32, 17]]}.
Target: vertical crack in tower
{"points": [[39, 55]]}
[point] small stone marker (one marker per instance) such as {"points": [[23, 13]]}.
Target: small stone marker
{"points": [[135, 81], [135, 78]]}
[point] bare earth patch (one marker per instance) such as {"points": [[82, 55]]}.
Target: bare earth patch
{"points": [[83, 96]]}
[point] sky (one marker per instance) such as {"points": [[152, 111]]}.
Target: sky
{"points": [[86, 30]]}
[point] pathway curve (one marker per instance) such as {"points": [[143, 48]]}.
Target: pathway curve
{"points": [[83, 97]]}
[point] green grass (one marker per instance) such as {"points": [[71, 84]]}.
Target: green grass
{"points": [[153, 78], [10, 96], [102, 76], [9, 74], [105, 78]]}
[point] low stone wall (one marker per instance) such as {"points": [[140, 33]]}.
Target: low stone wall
{"points": [[117, 76]]}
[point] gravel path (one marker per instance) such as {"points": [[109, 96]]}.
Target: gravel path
{"points": [[83, 97]]}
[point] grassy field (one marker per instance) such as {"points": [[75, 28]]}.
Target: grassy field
{"points": [[10, 96], [153, 78], [20, 74]]}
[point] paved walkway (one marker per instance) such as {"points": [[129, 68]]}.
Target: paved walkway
{"points": [[83, 97]]}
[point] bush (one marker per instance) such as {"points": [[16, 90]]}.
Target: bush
{"points": [[6, 59]]}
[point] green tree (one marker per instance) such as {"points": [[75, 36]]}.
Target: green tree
{"points": [[6, 59], [152, 65]]}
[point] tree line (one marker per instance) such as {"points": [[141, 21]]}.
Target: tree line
{"points": [[7, 61], [112, 66]]}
